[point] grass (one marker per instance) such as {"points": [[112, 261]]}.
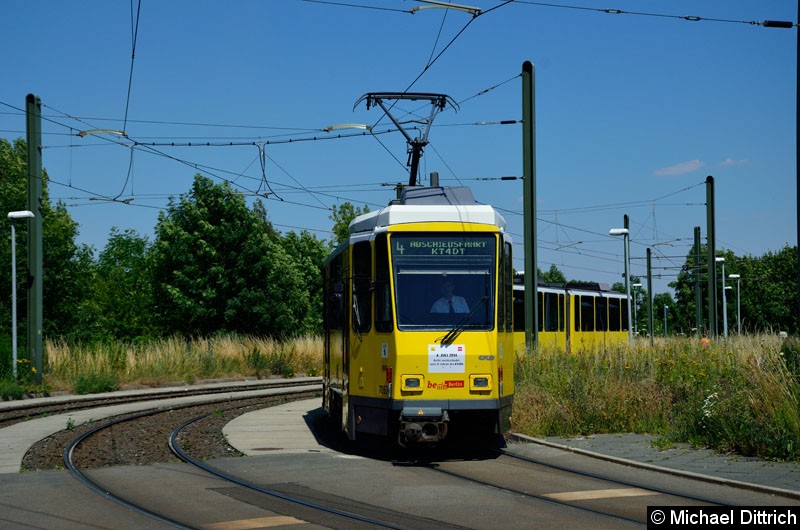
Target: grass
{"points": [[159, 362], [740, 395], [737, 396]]}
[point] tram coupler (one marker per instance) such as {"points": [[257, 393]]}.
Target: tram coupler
{"points": [[422, 425]]}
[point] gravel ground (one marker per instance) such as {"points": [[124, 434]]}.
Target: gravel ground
{"points": [[142, 441]]}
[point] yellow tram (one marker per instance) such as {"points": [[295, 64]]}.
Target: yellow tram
{"points": [[418, 318], [573, 317]]}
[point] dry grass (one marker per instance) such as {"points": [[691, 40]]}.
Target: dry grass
{"points": [[175, 359]]}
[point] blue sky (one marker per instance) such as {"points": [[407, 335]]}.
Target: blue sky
{"points": [[633, 111]]}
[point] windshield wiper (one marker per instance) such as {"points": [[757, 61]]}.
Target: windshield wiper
{"points": [[458, 328]]}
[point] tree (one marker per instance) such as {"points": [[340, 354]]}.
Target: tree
{"points": [[67, 268], [661, 301], [13, 197], [768, 297], [66, 265], [123, 288], [341, 217], [309, 253], [553, 275], [220, 267], [769, 292]]}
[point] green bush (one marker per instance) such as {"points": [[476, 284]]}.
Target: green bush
{"points": [[10, 389], [790, 354], [95, 383]]}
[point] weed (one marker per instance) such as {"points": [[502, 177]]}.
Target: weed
{"points": [[95, 383], [10, 389]]}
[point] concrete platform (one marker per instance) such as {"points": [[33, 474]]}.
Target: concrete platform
{"points": [[282, 429]]}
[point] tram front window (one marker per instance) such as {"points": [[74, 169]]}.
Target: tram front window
{"points": [[444, 279]]}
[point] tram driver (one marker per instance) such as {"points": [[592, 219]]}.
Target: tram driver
{"points": [[449, 302]]}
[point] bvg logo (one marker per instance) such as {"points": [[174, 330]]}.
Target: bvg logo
{"points": [[446, 385]]}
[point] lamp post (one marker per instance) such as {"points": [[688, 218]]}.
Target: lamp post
{"points": [[724, 300], [738, 303], [635, 303], [625, 233], [13, 216]]}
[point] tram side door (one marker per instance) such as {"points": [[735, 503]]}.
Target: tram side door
{"points": [[344, 333], [336, 327]]}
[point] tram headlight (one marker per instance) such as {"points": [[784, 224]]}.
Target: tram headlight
{"points": [[480, 382], [411, 383]]}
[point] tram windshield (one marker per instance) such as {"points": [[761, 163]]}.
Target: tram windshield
{"points": [[443, 280]]}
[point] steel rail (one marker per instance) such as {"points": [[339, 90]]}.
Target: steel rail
{"points": [[611, 480], [23, 409], [180, 453], [550, 500], [99, 488]]}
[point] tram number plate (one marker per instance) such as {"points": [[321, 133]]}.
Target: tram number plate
{"points": [[446, 359]]}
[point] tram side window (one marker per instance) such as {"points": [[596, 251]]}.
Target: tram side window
{"points": [[551, 311], [624, 311], [362, 297], [501, 292], [601, 314], [577, 316], [540, 314], [334, 302], [614, 322], [585, 310], [509, 287], [519, 310], [383, 299]]}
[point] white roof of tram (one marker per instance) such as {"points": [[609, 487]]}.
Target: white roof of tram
{"points": [[430, 205]]}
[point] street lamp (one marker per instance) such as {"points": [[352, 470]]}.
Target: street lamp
{"points": [[340, 126], [474, 11], [13, 216], [635, 303], [724, 300], [625, 233], [738, 303]]}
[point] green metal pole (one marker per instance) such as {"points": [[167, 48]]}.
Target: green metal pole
{"points": [[33, 112], [529, 204], [649, 297], [698, 294], [712, 253]]}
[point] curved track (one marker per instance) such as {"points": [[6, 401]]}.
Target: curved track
{"points": [[313, 509], [16, 411], [532, 482]]}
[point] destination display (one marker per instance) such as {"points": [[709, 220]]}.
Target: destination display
{"points": [[442, 246]]}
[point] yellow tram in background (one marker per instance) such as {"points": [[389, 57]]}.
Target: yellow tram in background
{"points": [[418, 320], [573, 317]]}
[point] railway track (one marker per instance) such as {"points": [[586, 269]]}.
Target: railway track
{"points": [[612, 500], [514, 487], [332, 513], [12, 412]]}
